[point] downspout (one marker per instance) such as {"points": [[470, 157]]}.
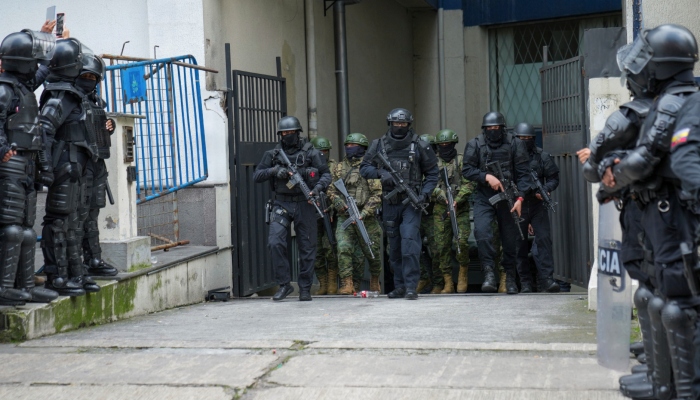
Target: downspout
{"points": [[441, 65], [341, 74], [311, 68]]}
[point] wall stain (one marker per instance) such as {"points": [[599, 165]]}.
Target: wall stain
{"points": [[289, 72]]}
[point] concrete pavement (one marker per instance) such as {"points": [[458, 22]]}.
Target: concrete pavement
{"points": [[454, 347]]}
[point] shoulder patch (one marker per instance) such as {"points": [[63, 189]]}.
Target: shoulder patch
{"points": [[680, 137]]}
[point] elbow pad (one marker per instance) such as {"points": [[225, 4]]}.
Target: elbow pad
{"points": [[637, 166], [590, 172], [618, 133]]}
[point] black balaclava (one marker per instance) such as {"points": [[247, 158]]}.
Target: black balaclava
{"points": [[399, 132], [447, 153], [290, 141], [494, 137], [530, 145], [355, 152], [86, 85]]}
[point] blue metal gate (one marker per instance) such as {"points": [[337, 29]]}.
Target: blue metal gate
{"points": [[170, 147]]}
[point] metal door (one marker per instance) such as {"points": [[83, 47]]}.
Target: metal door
{"points": [[255, 103], [565, 131]]}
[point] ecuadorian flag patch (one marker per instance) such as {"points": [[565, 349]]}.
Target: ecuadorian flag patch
{"points": [[680, 137]]}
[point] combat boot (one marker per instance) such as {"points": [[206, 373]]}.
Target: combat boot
{"points": [[332, 281], [449, 285], [322, 285], [490, 284], [421, 285], [502, 283], [549, 285], [525, 287], [511, 286], [348, 287], [374, 283], [97, 267], [437, 289], [462, 280]]}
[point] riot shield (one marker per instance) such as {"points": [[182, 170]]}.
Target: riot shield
{"points": [[614, 293]]}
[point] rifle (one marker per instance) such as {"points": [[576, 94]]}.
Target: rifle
{"points": [[400, 185], [296, 179], [325, 207], [508, 193], [546, 198], [354, 214], [451, 207]]}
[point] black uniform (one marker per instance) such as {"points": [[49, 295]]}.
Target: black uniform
{"points": [[416, 162], [290, 205], [534, 213], [477, 153]]}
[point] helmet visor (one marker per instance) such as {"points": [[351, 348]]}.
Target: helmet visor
{"points": [[633, 57], [43, 44]]}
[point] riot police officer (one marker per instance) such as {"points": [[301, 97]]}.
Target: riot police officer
{"points": [[290, 204], [660, 63], [495, 145], [66, 115], [429, 261], [96, 170], [462, 189], [534, 213], [20, 145], [326, 264], [415, 162]]}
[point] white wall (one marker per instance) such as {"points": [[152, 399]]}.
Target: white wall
{"points": [[175, 26]]}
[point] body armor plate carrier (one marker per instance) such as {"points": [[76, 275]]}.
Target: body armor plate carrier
{"points": [[23, 126]]}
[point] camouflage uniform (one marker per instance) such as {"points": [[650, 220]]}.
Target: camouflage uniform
{"points": [[461, 190], [429, 261], [367, 194], [325, 259]]}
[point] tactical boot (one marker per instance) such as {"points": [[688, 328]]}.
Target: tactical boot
{"points": [[284, 291], [525, 287], [550, 286], [637, 348], [356, 286], [332, 281], [640, 368], [304, 295], [89, 284], [511, 286], [421, 285], [490, 284], [323, 285], [449, 285], [502, 283], [633, 379], [97, 267], [64, 286], [411, 295], [25, 272], [462, 280], [374, 283], [437, 289], [397, 293], [348, 287]]}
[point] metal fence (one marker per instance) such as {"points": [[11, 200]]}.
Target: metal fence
{"points": [[170, 143], [564, 132]]}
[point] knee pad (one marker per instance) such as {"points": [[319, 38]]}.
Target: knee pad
{"points": [[99, 193], [675, 318], [28, 237], [642, 297], [13, 199], [30, 214], [63, 196]]}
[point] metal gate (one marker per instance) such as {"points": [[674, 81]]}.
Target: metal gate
{"points": [[255, 103], [564, 132]]}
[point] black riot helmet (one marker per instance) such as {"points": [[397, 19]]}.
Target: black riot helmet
{"points": [[288, 123], [20, 51], [493, 118], [657, 55], [93, 64], [524, 129], [69, 58], [399, 115]]}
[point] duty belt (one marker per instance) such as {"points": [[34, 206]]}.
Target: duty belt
{"points": [[398, 199], [286, 197]]}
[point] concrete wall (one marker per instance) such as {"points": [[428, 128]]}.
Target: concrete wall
{"points": [[476, 72], [425, 78]]}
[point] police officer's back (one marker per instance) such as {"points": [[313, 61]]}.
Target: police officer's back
{"points": [[290, 204]]}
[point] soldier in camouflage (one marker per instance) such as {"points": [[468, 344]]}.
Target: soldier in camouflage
{"points": [[326, 264], [367, 193], [446, 140], [429, 261]]}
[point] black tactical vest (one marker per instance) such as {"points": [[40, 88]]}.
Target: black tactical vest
{"points": [[502, 154], [404, 157], [301, 159], [23, 126], [96, 119], [536, 164]]}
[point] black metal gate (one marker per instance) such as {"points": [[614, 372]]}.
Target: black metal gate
{"points": [[565, 131], [255, 103]]}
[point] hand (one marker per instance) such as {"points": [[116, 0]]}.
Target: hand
{"points": [[316, 191], [66, 33], [282, 173], [48, 26], [494, 183], [8, 154], [109, 125], [385, 178], [530, 231], [339, 204], [609, 177], [583, 154], [46, 178], [517, 207], [440, 196]]}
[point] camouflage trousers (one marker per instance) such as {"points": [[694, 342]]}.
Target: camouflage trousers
{"points": [[325, 260], [429, 260], [353, 251], [444, 239]]}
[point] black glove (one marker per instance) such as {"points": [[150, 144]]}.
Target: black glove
{"points": [[385, 178], [281, 172], [46, 178], [424, 198], [316, 191]]}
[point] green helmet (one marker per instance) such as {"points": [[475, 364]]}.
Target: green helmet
{"points": [[446, 136], [428, 138], [321, 143], [357, 138]]}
